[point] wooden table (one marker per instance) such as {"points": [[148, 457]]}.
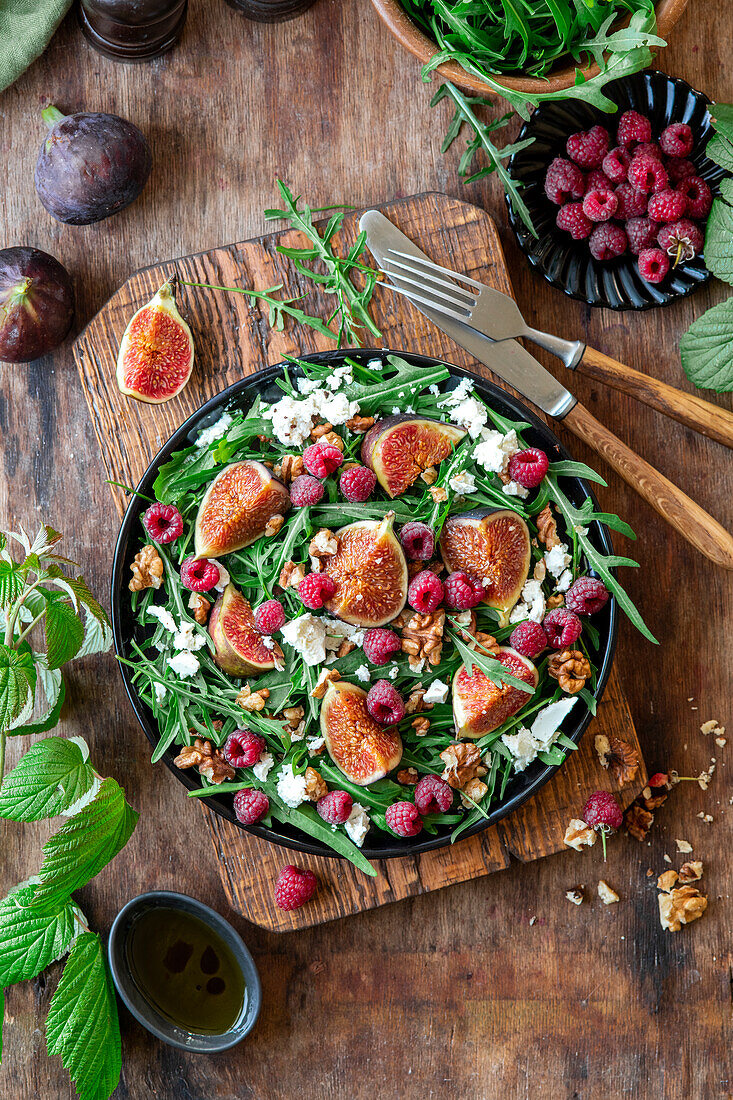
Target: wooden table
{"points": [[493, 989]]}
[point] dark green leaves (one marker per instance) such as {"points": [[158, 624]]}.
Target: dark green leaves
{"points": [[11, 583], [17, 684], [30, 941], [706, 349], [48, 780], [719, 234], [64, 632]]}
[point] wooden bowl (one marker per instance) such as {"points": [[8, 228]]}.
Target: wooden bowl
{"points": [[423, 48]]}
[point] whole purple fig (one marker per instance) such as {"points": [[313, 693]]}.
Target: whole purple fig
{"points": [[36, 304]]}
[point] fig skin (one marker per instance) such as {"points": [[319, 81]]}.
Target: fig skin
{"points": [[36, 304], [427, 442], [243, 497], [90, 166], [363, 750], [477, 559], [239, 649], [156, 353], [359, 567], [480, 706]]}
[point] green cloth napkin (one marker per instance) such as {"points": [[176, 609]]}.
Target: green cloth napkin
{"points": [[26, 28]]}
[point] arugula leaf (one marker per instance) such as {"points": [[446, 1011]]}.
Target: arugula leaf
{"points": [[48, 780], [82, 1025], [31, 941], [706, 349], [64, 632], [719, 234], [17, 684], [494, 670]]}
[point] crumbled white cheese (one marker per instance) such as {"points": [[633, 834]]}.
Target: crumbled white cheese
{"points": [[436, 693], [164, 617], [307, 385], [160, 691], [187, 639], [463, 483], [298, 733], [557, 559], [224, 577], [522, 746], [307, 635], [340, 376], [564, 581], [526, 743], [396, 410], [268, 642], [394, 671], [531, 604], [469, 414], [434, 389], [494, 450], [337, 409], [291, 787], [184, 664], [375, 364], [514, 489], [336, 631], [263, 767], [362, 673], [292, 419], [357, 823], [315, 743], [214, 431]]}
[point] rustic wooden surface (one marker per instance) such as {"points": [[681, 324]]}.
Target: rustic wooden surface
{"points": [[454, 994]]}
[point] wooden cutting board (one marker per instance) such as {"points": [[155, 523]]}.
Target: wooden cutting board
{"points": [[233, 339]]}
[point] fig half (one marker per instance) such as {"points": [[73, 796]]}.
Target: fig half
{"points": [[239, 648], [493, 546], [155, 359], [399, 448], [363, 750], [480, 706], [370, 572], [236, 508]]}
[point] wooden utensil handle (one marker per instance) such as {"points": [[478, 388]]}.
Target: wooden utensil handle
{"points": [[693, 523], [701, 416]]}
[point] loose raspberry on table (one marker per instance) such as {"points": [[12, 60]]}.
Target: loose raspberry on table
{"points": [[683, 240], [269, 617], [294, 887], [571, 219], [384, 703], [243, 748], [562, 627], [616, 164], [315, 588], [403, 818], [380, 645], [649, 149], [679, 169], [199, 575], [425, 592], [641, 233], [586, 596], [418, 541], [633, 128], [321, 459], [597, 178], [564, 181], [653, 265], [528, 467], [602, 810], [163, 522], [698, 194], [677, 140], [631, 202], [667, 206], [250, 805], [607, 241], [600, 204], [659, 779], [588, 148], [461, 592], [335, 807], [433, 795], [529, 639], [647, 173], [306, 490], [357, 484]]}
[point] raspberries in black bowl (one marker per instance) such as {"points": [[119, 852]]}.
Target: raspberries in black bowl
{"points": [[620, 201]]}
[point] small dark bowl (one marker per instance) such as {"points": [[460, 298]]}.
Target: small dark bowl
{"points": [[140, 1007], [567, 264]]}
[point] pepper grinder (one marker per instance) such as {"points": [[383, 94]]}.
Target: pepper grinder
{"points": [[270, 11], [132, 30]]}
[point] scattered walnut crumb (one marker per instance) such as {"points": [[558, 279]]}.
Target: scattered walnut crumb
{"points": [[606, 893], [667, 880], [639, 816], [438, 493], [621, 758], [415, 702], [324, 544], [333, 439], [273, 525], [147, 569], [252, 700], [690, 871], [321, 430], [291, 575], [360, 424], [707, 818], [721, 742], [575, 895], [681, 906], [429, 476], [200, 607], [547, 528], [473, 790], [290, 468], [666, 858], [570, 668], [315, 785], [712, 727], [327, 676], [556, 600], [408, 777], [346, 647], [462, 762], [209, 761], [421, 726], [293, 716], [579, 835], [683, 846]]}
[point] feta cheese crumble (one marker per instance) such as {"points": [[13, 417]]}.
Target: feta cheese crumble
{"points": [[186, 638], [495, 450], [514, 489], [526, 743], [214, 431], [164, 617], [292, 419], [160, 691], [307, 635], [184, 664], [531, 604], [463, 483], [357, 824], [557, 559], [315, 743], [263, 767], [436, 693], [291, 787], [362, 673]]}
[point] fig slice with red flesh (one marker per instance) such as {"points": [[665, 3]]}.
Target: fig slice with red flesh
{"points": [[479, 705], [155, 359], [370, 572], [492, 546], [239, 648], [362, 749], [236, 508], [399, 448]]}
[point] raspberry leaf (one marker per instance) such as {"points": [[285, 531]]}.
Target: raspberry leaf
{"points": [[17, 685], [64, 632], [706, 349], [719, 234], [49, 779], [11, 583], [31, 941], [51, 683]]}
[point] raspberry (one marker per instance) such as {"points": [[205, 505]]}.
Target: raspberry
{"points": [[294, 887], [647, 174], [462, 593], [607, 241], [562, 627], [305, 490], [529, 467], [425, 592], [641, 233], [564, 181], [571, 219], [586, 596], [250, 806], [679, 169], [616, 164], [653, 265], [269, 617], [633, 128], [589, 147], [602, 810], [597, 178], [385, 703], [698, 194], [243, 748], [380, 645], [418, 541], [357, 484], [682, 239], [199, 575], [677, 140], [600, 204], [649, 149], [321, 459], [433, 795], [163, 522], [529, 639], [631, 202], [403, 819], [659, 779], [335, 807], [667, 206], [315, 588]]}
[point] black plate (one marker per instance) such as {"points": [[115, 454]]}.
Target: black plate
{"points": [[126, 628], [567, 264]]}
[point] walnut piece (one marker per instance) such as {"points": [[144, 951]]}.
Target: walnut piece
{"points": [[333, 439], [422, 638], [690, 871], [320, 430], [415, 702], [438, 493], [606, 893], [408, 777], [324, 544], [209, 761], [252, 700], [579, 835], [200, 607], [683, 846], [429, 476], [638, 820], [290, 468], [360, 424], [570, 668], [421, 726], [315, 785], [462, 762], [621, 758], [474, 790], [328, 676], [547, 528], [557, 600], [575, 895], [681, 906], [667, 880], [273, 525], [291, 575], [147, 570], [346, 647]]}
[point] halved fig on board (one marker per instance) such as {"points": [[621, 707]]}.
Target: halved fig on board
{"points": [[480, 706], [155, 359], [491, 545], [399, 448], [363, 750], [239, 648], [370, 572], [236, 508]]}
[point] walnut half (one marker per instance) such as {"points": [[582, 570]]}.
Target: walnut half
{"points": [[209, 761], [147, 569], [681, 906], [579, 835], [462, 763], [571, 669]]}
